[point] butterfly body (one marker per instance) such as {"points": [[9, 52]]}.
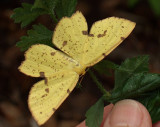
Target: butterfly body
{"points": [[80, 69]]}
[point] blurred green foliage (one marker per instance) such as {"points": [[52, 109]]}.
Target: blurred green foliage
{"points": [[154, 4]]}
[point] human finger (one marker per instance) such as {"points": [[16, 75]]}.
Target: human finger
{"points": [[128, 113]]}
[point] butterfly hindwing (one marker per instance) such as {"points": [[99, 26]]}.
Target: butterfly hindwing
{"points": [[46, 96]]}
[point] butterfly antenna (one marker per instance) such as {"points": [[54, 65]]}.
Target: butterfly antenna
{"points": [[82, 76]]}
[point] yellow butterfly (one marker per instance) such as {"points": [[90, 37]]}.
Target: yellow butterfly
{"points": [[61, 70]]}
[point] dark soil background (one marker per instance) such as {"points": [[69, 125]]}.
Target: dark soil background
{"points": [[15, 86]]}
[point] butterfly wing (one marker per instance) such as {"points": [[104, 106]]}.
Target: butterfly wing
{"points": [[60, 79], [106, 34], [44, 61], [44, 99], [70, 35]]}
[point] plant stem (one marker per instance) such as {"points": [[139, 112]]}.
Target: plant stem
{"points": [[99, 85]]}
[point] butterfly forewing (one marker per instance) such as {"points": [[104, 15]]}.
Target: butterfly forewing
{"points": [[70, 35], [106, 34]]}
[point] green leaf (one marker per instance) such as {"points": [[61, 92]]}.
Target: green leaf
{"points": [[130, 67], [25, 14], [136, 86], [39, 4], [51, 4], [94, 115], [65, 8], [38, 35], [104, 67], [152, 103], [137, 83], [155, 5], [132, 3], [48, 6]]}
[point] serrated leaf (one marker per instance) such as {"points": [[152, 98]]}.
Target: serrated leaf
{"points": [[47, 5], [51, 4], [155, 5], [94, 115], [39, 4], [139, 85], [152, 102], [65, 8], [38, 35], [25, 14], [136, 86], [104, 67], [129, 67]]}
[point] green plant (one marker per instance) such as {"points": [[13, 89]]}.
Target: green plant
{"points": [[132, 77], [28, 13], [132, 81]]}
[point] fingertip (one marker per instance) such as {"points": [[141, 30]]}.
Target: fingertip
{"points": [[146, 121], [128, 113], [107, 110]]}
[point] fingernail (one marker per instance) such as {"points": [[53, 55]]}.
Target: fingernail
{"points": [[126, 113]]}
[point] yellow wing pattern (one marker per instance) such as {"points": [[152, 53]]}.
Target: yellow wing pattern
{"points": [[44, 100], [44, 61], [107, 35], [70, 35]]}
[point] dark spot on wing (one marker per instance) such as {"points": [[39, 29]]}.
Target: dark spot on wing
{"points": [[54, 109], [68, 91], [47, 90], [64, 43], [84, 32], [42, 74], [102, 35], [105, 31], [40, 112], [44, 95], [53, 53], [104, 54], [99, 35], [122, 38], [91, 35]]}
